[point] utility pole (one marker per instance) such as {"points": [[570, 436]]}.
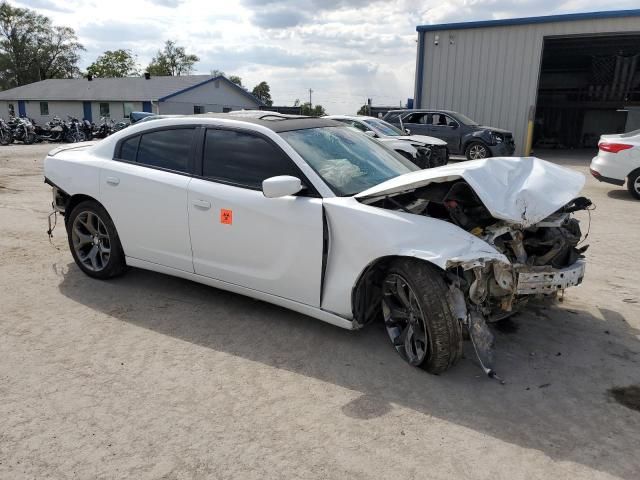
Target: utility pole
{"points": [[310, 104]]}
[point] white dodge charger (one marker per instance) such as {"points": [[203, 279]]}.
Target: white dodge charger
{"points": [[317, 217]]}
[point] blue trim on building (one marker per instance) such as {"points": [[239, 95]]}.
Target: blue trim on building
{"points": [[146, 107], [86, 108], [570, 17], [22, 109], [209, 80], [420, 72]]}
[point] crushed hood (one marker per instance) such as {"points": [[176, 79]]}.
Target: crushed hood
{"points": [[520, 190]]}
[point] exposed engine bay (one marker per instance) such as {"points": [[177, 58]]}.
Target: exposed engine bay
{"points": [[548, 245]]}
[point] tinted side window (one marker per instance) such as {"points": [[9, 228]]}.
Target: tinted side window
{"points": [[166, 148], [129, 148], [243, 159]]}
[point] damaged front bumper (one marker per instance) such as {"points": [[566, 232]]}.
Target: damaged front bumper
{"points": [[547, 280]]}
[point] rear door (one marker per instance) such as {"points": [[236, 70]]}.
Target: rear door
{"points": [[144, 189], [273, 245]]}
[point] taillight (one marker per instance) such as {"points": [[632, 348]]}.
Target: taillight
{"points": [[613, 147]]}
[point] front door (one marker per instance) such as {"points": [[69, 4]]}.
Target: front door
{"points": [[416, 123], [145, 192], [445, 128], [273, 245]]}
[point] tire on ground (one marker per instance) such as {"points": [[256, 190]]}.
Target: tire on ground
{"points": [[116, 265], [471, 145], [633, 183], [443, 329]]}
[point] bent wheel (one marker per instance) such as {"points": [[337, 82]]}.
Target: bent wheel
{"points": [[418, 318]]}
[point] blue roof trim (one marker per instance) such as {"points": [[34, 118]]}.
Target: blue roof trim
{"points": [[569, 17], [209, 80]]}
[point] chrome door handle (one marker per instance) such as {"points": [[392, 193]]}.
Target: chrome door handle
{"points": [[113, 180], [203, 204]]}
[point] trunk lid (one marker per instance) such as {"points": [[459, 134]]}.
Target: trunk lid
{"points": [[519, 190]]}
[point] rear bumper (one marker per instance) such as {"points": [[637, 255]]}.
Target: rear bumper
{"points": [[601, 178], [546, 280]]}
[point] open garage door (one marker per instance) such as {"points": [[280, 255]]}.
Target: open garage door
{"points": [[587, 86]]}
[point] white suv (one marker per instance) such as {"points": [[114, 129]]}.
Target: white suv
{"points": [[424, 151], [618, 160]]}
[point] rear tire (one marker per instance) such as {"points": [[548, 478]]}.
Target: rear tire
{"points": [[633, 183], [477, 151], [30, 138], [94, 241], [5, 137], [418, 318]]}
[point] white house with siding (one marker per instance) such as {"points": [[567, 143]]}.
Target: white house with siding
{"points": [[117, 97]]}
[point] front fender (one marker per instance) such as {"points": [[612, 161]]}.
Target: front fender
{"points": [[360, 234]]}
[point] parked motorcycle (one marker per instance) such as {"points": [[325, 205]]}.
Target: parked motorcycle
{"points": [[105, 128], [6, 135], [53, 131], [75, 132], [22, 130]]}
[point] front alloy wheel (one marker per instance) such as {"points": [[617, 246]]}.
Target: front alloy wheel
{"points": [[477, 151], [404, 319], [418, 317]]}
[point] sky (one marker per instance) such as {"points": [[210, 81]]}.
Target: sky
{"points": [[344, 50]]}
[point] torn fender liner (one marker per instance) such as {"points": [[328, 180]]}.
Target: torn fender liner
{"points": [[520, 190]]}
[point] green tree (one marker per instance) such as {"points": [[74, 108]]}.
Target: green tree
{"points": [[172, 61], [235, 79], [33, 49], [217, 73], [364, 110], [315, 111], [114, 63], [263, 92]]}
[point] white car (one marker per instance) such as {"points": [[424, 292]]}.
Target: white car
{"points": [[618, 160], [317, 217], [424, 151]]}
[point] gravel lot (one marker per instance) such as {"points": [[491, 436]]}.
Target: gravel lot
{"points": [[150, 376]]}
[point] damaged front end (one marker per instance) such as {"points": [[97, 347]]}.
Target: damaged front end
{"points": [[539, 242]]}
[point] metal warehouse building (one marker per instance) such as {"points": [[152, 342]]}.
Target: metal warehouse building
{"points": [[555, 81]]}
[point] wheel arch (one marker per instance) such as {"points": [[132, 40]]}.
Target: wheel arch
{"points": [[78, 198], [367, 287]]}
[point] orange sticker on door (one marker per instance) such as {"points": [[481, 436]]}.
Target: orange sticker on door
{"points": [[226, 216]]}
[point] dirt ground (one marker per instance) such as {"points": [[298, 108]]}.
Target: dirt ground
{"points": [[150, 376]]}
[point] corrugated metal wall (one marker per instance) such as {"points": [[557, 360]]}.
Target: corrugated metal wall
{"points": [[491, 74]]}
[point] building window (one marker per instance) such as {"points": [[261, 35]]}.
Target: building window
{"points": [[127, 108], [104, 110], [44, 108], [226, 109], [198, 109], [12, 110]]}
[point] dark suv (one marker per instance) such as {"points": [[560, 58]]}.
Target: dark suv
{"points": [[463, 135]]}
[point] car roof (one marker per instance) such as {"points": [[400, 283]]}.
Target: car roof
{"points": [[278, 122], [423, 110], [354, 117]]}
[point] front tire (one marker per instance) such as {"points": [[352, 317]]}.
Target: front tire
{"points": [[633, 183], [418, 318], [94, 241], [477, 151]]}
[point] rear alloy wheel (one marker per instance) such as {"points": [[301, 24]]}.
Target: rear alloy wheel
{"points": [[94, 241], [477, 151], [633, 183], [418, 318]]}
